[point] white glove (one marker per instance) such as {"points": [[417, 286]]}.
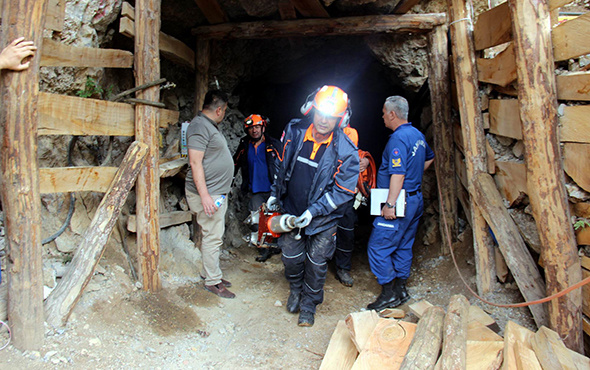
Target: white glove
{"points": [[272, 204], [303, 220]]}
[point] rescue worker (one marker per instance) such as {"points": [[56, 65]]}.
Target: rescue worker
{"points": [[256, 158], [317, 175], [405, 158]]}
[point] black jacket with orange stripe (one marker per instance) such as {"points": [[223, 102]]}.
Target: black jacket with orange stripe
{"points": [[335, 179], [273, 148]]}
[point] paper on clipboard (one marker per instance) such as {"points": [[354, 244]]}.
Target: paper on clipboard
{"points": [[379, 197]]}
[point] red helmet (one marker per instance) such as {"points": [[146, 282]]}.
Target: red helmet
{"points": [[330, 101], [255, 120]]}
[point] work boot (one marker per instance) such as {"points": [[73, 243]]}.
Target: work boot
{"points": [[294, 301], [306, 318], [225, 282], [220, 290], [387, 299], [264, 254], [344, 277], [402, 293]]}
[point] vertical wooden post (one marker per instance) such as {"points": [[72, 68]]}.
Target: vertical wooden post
{"points": [[20, 177], [473, 134], [440, 92], [545, 179], [203, 55], [147, 69]]}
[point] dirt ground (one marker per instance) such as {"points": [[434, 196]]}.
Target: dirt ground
{"points": [[116, 326]]}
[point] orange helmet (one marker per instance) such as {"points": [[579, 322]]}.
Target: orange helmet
{"points": [[255, 120], [330, 101]]}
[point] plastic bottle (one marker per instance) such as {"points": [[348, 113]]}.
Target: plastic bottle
{"points": [[219, 201]]}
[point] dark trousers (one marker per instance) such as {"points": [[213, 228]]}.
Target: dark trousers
{"points": [[306, 264], [345, 237]]}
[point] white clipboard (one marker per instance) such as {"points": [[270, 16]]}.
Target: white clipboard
{"points": [[379, 197]]}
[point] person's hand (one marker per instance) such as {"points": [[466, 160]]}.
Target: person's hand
{"points": [[303, 220], [13, 55], [388, 213], [208, 205], [363, 164], [272, 204]]}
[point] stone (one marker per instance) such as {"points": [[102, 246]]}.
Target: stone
{"points": [[178, 254]]}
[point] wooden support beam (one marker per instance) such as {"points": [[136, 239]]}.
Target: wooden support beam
{"points": [[570, 39], [341, 352], [147, 68], [203, 56], [171, 48], [212, 11], [444, 166], [362, 25], [454, 348], [166, 219], [63, 298], [56, 54], [545, 180], [473, 134], [425, 346], [573, 86], [20, 184], [73, 179], [515, 252], [500, 70], [71, 115], [310, 8]]}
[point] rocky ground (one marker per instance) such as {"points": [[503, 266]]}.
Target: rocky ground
{"points": [[185, 327]]}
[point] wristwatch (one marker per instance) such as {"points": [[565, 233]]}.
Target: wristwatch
{"points": [[389, 205]]}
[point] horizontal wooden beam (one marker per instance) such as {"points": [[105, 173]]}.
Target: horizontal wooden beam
{"points": [[510, 180], [570, 39], [573, 121], [500, 70], [573, 86], [505, 118], [493, 27], [55, 15], [575, 163], [171, 168], [363, 25], [171, 48], [70, 115], [73, 179], [56, 54], [166, 219]]}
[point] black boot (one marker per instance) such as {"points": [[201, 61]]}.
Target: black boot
{"points": [[294, 301], [264, 254], [400, 289], [387, 298]]}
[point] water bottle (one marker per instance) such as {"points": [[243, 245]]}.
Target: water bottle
{"points": [[219, 201]]}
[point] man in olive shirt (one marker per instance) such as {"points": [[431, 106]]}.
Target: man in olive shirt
{"points": [[208, 182]]}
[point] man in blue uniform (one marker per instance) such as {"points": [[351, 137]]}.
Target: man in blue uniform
{"points": [[405, 158], [317, 176]]}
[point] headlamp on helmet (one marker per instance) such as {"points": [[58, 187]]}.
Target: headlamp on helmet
{"points": [[255, 120], [329, 101]]}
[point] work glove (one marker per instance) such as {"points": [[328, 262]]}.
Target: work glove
{"points": [[303, 220], [272, 204]]}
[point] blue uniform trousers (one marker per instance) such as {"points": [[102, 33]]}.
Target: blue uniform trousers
{"points": [[390, 244], [306, 264]]}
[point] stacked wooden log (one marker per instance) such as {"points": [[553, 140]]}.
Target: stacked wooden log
{"points": [[465, 337]]}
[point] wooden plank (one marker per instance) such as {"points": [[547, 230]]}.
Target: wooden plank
{"points": [[361, 325], [392, 313], [68, 291], [127, 11], [386, 346], [525, 358], [586, 294], [582, 362], [419, 308], [310, 8], [404, 6], [453, 354], [551, 351], [491, 161], [573, 123], [511, 180], [423, 351], [514, 333], [56, 54], [493, 27], [586, 324], [212, 11], [20, 183], [360, 25], [55, 15], [166, 220], [478, 314], [341, 352], [484, 354], [171, 48], [554, 4], [505, 118], [71, 115], [511, 244], [500, 70], [575, 156], [287, 10], [171, 168], [461, 169], [585, 261], [570, 39], [573, 86], [73, 179], [479, 332]]}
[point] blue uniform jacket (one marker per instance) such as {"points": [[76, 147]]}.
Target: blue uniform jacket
{"points": [[335, 179]]}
